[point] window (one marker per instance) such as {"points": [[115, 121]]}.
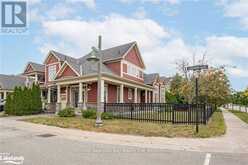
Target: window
{"points": [[130, 94], [134, 71], [51, 72]]}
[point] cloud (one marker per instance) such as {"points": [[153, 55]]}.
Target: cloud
{"points": [[65, 9], [236, 9], [140, 13], [237, 72], [115, 29], [171, 2], [88, 3], [226, 49], [160, 47]]}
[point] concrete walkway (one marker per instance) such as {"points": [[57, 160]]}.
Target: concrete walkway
{"points": [[234, 141]]}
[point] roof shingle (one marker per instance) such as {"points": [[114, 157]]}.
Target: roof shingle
{"points": [[9, 82]]}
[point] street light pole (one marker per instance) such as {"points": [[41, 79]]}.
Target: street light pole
{"points": [[96, 56], [196, 100], [99, 86]]}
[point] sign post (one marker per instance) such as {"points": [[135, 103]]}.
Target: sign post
{"points": [[197, 68]]}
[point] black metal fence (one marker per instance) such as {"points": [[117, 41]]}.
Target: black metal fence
{"points": [[161, 112]]}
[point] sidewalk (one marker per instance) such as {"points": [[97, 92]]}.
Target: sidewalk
{"points": [[234, 141]]}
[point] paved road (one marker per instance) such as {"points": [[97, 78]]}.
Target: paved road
{"points": [[57, 150]]}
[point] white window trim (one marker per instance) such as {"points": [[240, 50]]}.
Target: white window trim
{"points": [[137, 68], [54, 74]]}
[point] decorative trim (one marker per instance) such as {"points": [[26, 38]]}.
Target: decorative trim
{"points": [[137, 51], [50, 53], [62, 68]]}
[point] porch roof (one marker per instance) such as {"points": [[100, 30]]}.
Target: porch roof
{"points": [[107, 77]]}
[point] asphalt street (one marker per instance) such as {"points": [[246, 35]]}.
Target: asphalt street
{"points": [[36, 149]]}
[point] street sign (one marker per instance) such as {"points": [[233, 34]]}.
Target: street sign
{"points": [[197, 67]]}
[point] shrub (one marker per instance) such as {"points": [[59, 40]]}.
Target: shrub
{"points": [[67, 112], [89, 114], [24, 101], [107, 115]]}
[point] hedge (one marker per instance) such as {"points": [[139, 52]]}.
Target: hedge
{"points": [[24, 101]]}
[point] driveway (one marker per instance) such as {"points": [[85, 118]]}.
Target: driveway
{"points": [[70, 146]]}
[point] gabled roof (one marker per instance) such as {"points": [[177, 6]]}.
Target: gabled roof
{"points": [[150, 78], [110, 54], [36, 67], [9, 82], [166, 80], [117, 52], [63, 57], [87, 67]]}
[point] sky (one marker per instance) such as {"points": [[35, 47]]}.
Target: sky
{"points": [[167, 31]]}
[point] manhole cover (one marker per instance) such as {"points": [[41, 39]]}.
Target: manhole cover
{"points": [[46, 135]]}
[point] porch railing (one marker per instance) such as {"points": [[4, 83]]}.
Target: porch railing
{"points": [[161, 112]]}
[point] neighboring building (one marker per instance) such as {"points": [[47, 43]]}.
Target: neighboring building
{"points": [[35, 71], [67, 81], [9, 82], [166, 81], [158, 94]]}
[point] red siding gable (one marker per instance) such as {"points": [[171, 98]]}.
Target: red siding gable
{"points": [[51, 59], [134, 57], [67, 72], [29, 69], [115, 67]]}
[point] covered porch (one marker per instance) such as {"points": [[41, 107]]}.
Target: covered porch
{"points": [[82, 94]]}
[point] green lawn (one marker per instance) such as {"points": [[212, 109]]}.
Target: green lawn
{"points": [[242, 115], [215, 127]]}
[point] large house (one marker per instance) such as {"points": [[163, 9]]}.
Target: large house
{"points": [[67, 81]]}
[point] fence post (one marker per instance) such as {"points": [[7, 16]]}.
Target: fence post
{"points": [[132, 108], [173, 114], [204, 114], [197, 119], [104, 107]]}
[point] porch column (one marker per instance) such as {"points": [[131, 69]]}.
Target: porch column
{"points": [[121, 93], [150, 96], [135, 95], [58, 105], [49, 95], [102, 92], [36, 78], [4, 95], [67, 96], [145, 96], [80, 96], [85, 96]]}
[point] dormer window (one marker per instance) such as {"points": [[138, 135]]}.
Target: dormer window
{"points": [[51, 72], [134, 71]]}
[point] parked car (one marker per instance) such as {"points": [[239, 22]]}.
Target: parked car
{"points": [[2, 102]]}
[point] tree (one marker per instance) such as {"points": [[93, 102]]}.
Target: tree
{"points": [[215, 86], [175, 88], [24, 101]]}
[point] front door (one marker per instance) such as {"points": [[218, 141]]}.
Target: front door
{"points": [[75, 98]]}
